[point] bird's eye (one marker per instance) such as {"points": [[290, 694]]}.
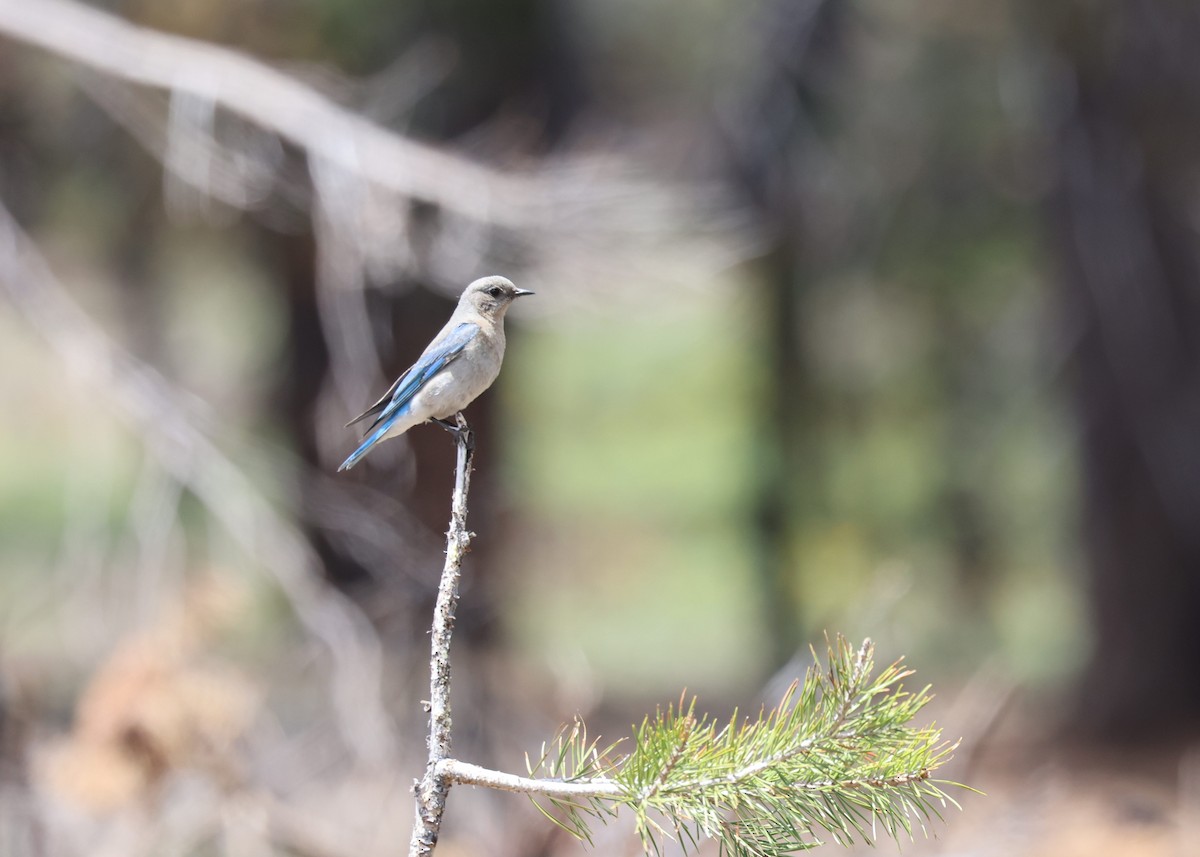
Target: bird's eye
{"points": [[495, 291]]}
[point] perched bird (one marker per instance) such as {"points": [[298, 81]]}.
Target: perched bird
{"points": [[462, 361]]}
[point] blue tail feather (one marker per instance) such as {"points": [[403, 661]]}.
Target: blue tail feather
{"points": [[372, 439]]}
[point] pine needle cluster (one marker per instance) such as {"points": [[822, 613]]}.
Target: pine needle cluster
{"points": [[835, 761]]}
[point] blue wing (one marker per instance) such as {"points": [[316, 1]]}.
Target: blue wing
{"points": [[395, 402]]}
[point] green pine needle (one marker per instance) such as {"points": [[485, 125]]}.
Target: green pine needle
{"points": [[835, 761]]}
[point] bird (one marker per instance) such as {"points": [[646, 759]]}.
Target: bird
{"points": [[460, 363]]}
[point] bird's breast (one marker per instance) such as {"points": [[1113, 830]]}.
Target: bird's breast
{"points": [[461, 382]]}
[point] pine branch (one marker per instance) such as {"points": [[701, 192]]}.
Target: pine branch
{"points": [[835, 760]]}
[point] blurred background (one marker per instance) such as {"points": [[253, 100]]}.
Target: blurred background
{"points": [[854, 316]]}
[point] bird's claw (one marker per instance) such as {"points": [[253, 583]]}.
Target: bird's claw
{"points": [[461, 431]]}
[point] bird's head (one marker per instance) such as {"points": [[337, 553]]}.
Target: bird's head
{"points": [[491, 296]]}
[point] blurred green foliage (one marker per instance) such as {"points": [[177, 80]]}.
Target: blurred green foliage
{"points": [[629, 436], [938, 514]]}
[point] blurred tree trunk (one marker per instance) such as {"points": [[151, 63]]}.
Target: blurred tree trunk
{"points": [[778, 122], [1126, 206]]}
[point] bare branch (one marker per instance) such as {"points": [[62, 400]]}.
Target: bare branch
{"points": [[432, 788], [467, 774]]}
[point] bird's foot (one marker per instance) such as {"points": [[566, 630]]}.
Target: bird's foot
{"points": [[459, 428]]}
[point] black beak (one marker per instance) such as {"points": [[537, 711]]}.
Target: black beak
{"points": [[520, 292]]}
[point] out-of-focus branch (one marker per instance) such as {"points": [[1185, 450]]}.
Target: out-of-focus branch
{"points": [[567, 218], [186, 451], [271, 99]]}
